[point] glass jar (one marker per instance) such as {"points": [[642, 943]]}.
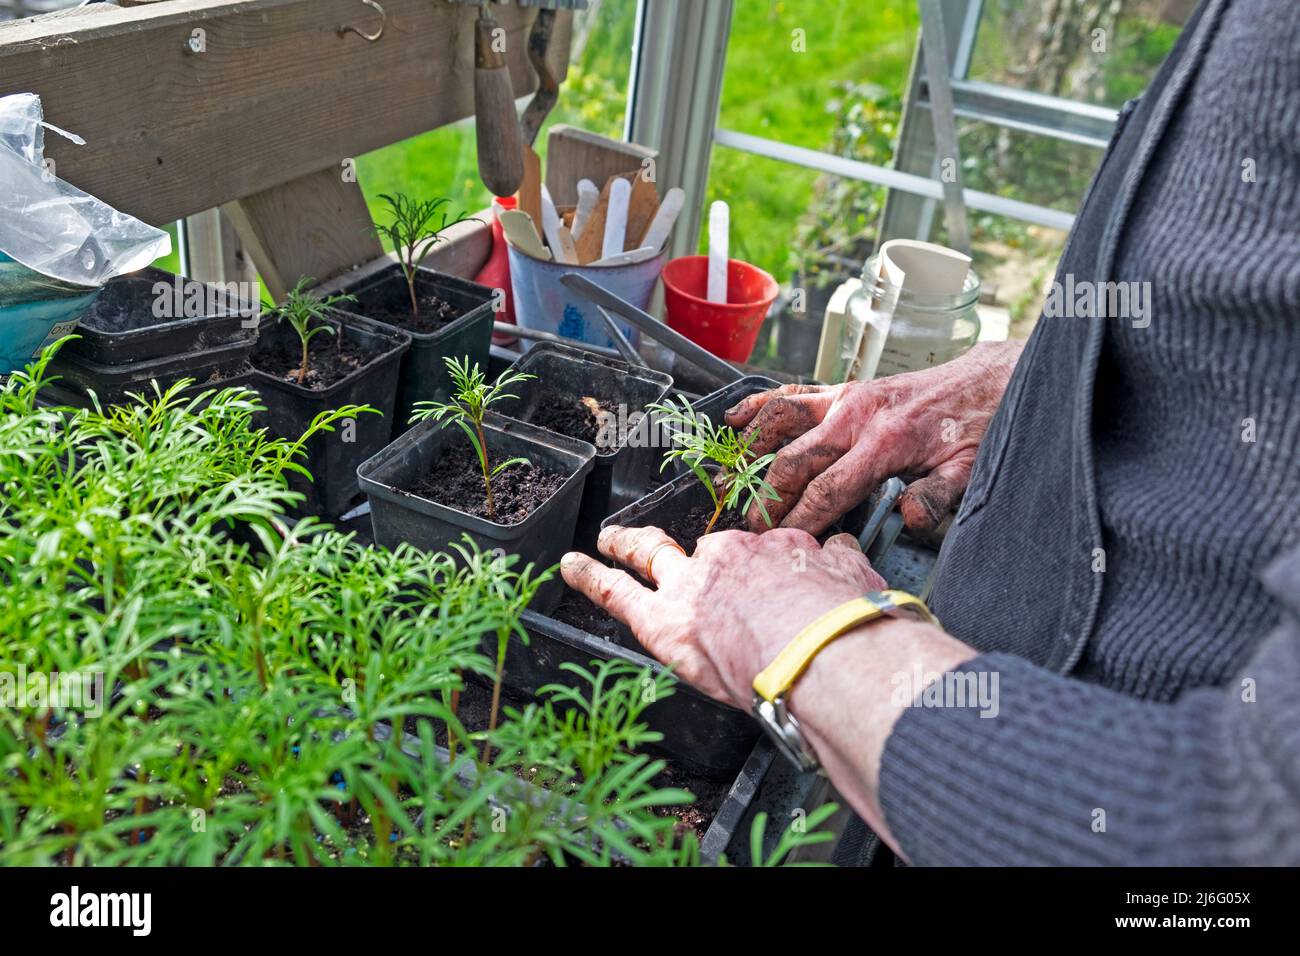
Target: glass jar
{"points": [[890, 330]]}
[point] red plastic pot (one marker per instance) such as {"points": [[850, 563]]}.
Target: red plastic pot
{"points": [[729, 329], [495, 273]]}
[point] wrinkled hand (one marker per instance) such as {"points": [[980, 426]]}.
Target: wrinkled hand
{"points": [[849, 438], [721, 615]]}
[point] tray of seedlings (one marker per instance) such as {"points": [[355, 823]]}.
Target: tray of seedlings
{"points": [[278, 674], [312, 357], [445, 315]]}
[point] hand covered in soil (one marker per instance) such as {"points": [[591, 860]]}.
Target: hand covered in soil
{"points": [[847, 439], [722, 614]]}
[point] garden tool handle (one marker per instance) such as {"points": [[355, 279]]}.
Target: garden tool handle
{"points": [[625, 348], [652, 327], [500, 149]]}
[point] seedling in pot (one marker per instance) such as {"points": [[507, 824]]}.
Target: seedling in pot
{"points": [[416, 228], [471, 399], [698, 441], [307, 312]]}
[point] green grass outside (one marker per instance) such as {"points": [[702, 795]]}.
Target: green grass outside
{"points": [[770, 90], [785, 59]]}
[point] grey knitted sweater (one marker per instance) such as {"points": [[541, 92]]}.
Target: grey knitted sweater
{"points": [[1127, 556]]}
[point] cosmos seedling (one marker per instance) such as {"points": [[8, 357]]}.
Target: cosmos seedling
{"points": [[698, 442], [471, 399], [307, 312], [416, 228]]}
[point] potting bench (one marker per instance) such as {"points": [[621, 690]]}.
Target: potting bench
{"points": [[245, 116]]}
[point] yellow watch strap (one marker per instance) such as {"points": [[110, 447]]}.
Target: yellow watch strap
{"points": [[787, 667]]}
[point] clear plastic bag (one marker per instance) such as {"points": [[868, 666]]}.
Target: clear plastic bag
{"points": [[58, 245], [52, 227]]}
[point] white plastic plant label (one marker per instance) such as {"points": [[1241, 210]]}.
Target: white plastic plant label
{"points": [[58, 245]]}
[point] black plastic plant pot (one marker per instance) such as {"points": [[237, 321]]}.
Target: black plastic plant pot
{"points": [[541, 538], [142, 317], [715, 404], [114, 383], [332, 457], [674, 501], [56, 394], [701, 735], [385, 298], [625, 460]]}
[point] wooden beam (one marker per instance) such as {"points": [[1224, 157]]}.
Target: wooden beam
{"points": [[277, 92]]}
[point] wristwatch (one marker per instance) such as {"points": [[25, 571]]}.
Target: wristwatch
{"points": [[772, 685]]}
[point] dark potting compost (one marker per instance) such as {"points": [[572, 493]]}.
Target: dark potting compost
{"points": [[332, 359], [390, 302], [577, 611], [687, 529], [601, 401], [357, 365], [456, 480], [578, 416], [454, 321]]}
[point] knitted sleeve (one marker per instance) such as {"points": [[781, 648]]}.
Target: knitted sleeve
{"points": [[1067, 772]]}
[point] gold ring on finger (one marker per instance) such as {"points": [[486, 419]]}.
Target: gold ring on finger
{"points": [[649, 565]]}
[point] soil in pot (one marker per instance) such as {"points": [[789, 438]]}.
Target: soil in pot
{"points": [[577, 611], [578, 416], [339, 358], [390, 301], [456, 480], [687, 529]]}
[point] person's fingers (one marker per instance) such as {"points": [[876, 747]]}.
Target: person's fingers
{"points": [[843, 540], [739, 415], [835, 490], [848, 554], [784, 418], [637, 547], [927, 501], [794, 466], [730, 541], [610, 588]]}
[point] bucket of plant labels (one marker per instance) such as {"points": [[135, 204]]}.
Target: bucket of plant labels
{"points": [[542, 302], [727, 329]]}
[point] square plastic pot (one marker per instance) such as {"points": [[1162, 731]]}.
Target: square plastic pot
{"points": [[424, 376], [714, 405], [55, 394], [542, 538], [113, 383], [676, 499], [120, 327], [290, 408], [624, 461]]}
